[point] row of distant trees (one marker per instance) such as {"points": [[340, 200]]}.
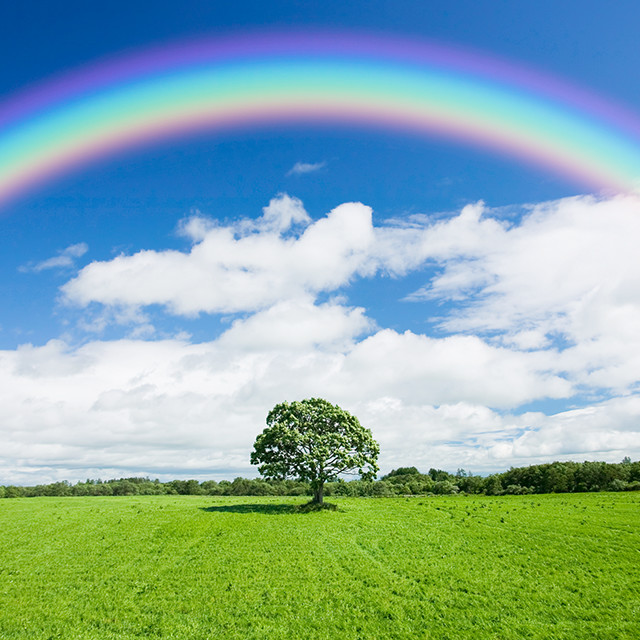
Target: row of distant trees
{"points": [[556, 477]]}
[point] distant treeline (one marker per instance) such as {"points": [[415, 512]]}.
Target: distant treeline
{"points": [[555, 477]]}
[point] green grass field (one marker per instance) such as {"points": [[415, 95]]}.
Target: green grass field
{"points": [[552, 566]]}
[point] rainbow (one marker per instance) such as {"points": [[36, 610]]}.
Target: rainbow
{"points": [[258, 80]]}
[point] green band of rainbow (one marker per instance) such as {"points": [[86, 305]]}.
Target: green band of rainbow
{"points": [[307, 80]]}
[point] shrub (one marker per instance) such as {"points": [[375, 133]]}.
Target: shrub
{"points": [[444, 487], [618, 485], [15, 492], [402, 471], [382, 489], [517, 490]]}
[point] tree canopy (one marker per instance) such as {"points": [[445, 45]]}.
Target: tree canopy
{"points": [[316, 441]]}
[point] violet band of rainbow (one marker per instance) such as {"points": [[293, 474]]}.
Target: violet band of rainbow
{"points": [[372, 82]]}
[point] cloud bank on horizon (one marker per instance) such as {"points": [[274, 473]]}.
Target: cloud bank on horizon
{"points": [[533, 311]]}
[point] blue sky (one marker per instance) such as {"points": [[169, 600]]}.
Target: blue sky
{"points": [[463, 334]]}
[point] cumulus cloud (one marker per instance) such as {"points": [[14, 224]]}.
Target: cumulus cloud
{"points": [[445, 370], [295, 324], [195, 227], [554, 259], [476, 438], [542, 306], [251, 264], [168, 407], [569, 270], [282, 213], [65, 259], [233, 269], [301, 168]]}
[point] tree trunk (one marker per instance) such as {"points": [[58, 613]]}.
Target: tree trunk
{"points": [[318, 492]]}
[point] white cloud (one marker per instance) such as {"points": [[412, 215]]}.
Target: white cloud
{"points": [[230, 270], [195, 227], [568, 269], [301, 168], [476, 438], [168, 406], [603, 430], [558, 256], [172, 408], [282, 213], [298, 324], [65, 259], [451, 369]]}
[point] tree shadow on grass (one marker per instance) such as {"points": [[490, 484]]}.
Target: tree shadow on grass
{"points": [[269, 509]]}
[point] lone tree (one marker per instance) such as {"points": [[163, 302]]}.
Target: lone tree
{"points": [[314, 440]]}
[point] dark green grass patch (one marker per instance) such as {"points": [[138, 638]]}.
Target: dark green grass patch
{"points": [[553, 566]]}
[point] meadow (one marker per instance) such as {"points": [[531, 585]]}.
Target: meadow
{"points": [[199, 567]]}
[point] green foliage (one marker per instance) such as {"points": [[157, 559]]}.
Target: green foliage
{"points": [[618, 485], [444, 487], [569, 477], [492, 485], [15, 492], [556, 477], [316, 441], [438, 475], [470, 483], [197, 567], [517, 490], [402, 471], [408, 481], [210, 488], [382, 489]]}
